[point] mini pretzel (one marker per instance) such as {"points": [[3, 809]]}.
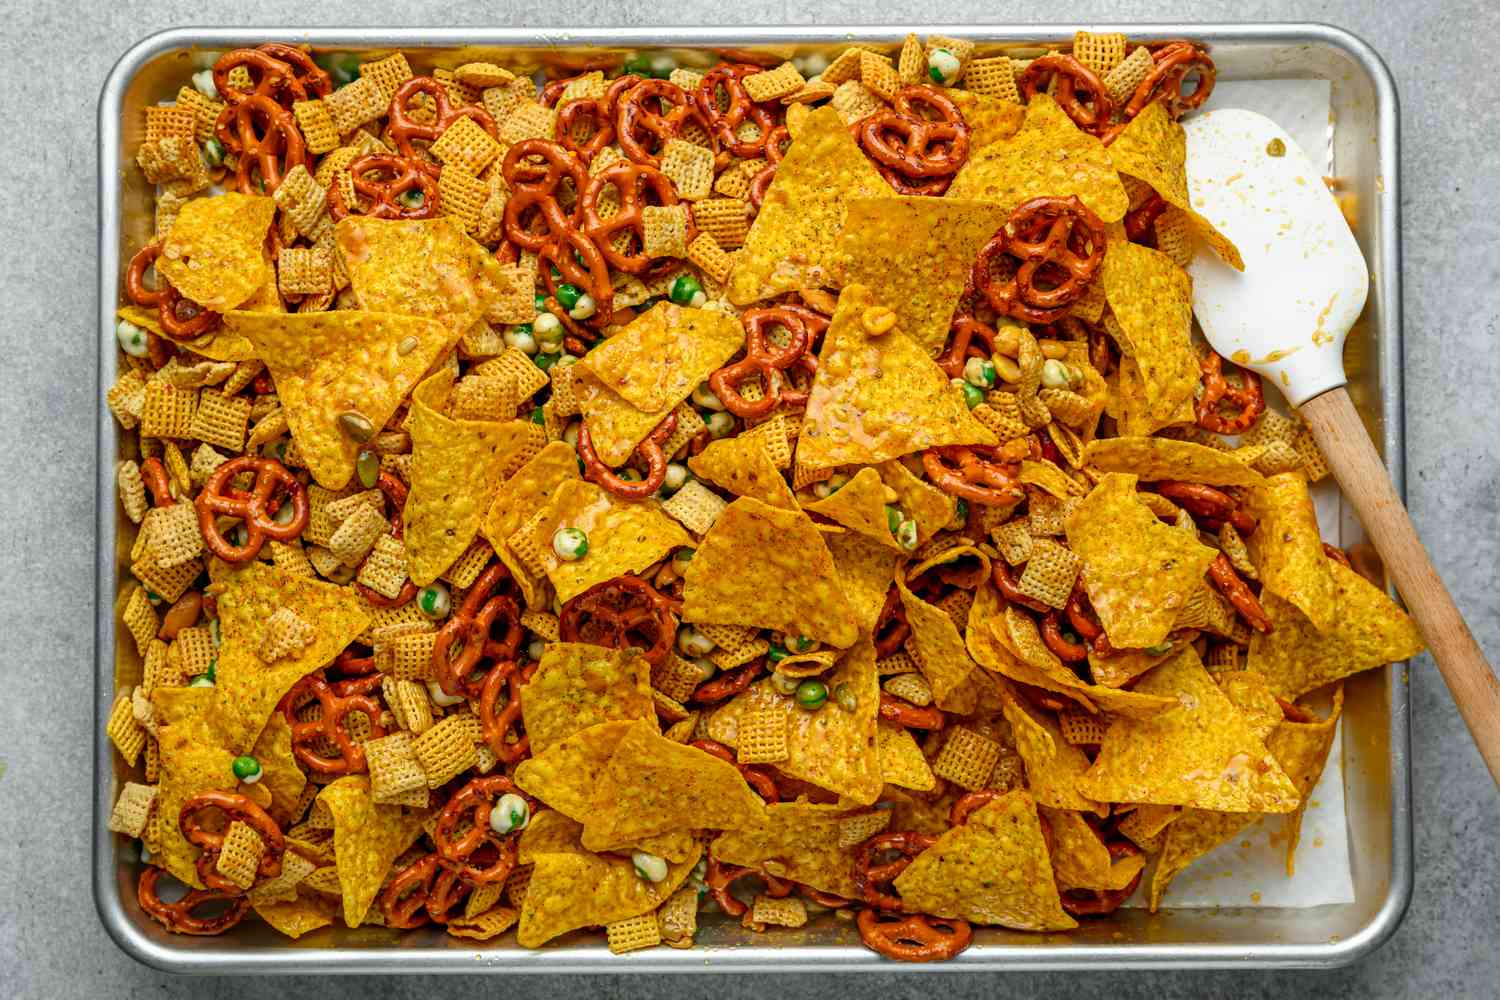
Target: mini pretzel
{"points": [[254, 508], [1099, 902], [727, 684], [904, 713], [970, 802], [650, 450], [917, 154], [758, 778], [310, 738], [1140, 221], [961, 345], [642, 128], [1211, 506], [312, 79], [1062, 647], [404, 131], [402, 899], [580, 264], [1076, 88], [598, 112], [178, 917], [1080, 616], [154, 478], [472, 628], [1244, 404], [724, 124], [1058, 246], [180, 318], [891, 628], [638, 186], [978, 473], [234, 807], [767, 361], [464, 852], [871, 875], [265, 136], [622, 613], [1239, 594], [773, 153], [1000, 576], [915, 937], [720, 876], [1175, 63], [351, 664], [498, 721], [534, 213], [395, 501], [273, 74], [406, 174]]}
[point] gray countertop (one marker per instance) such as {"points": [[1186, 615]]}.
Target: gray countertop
{"points": [[54, 55]]}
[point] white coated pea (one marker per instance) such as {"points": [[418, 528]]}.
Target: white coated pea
{"points": [[691, 642], [441, 697], [677, 474], [132, 339], [510, 813], [649, 866], [946, 63], [583, 308], [547, 327], [203, 82], [570, 544], [521, 340], [1055, 374], [704, 398]]}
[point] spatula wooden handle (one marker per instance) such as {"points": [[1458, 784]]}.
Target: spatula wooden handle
{"points": [[1357, 466]]}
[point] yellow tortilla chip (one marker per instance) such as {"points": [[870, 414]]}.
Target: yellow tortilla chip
{"points": [[623, 537], [296, 917], [615, 427], [768, 568], [1152, 299], [1053, 765], [995, 869], [1138, 572], [215, 253], [246, 688], [332, 363], [566, 775], [1202, 754], [527, 491], [930, 507], [367, 839], [1192, 835], [1153, 148], [742, 466], [901, 760], [281, 775], [456, 467], [578, 685], [1251, 694], [791, 242], [865, 571], [1288, 551], [1049, 156], [860, 506], [880, 397], [193, 759], [219, 344], [958, 685], [659, 359], [1080, 859], [1121, 667], [915, 253], [571, 887], [797, 841], [1369, 630], [1155, 458], [1301, 748], [653, 785], [990, 119]]}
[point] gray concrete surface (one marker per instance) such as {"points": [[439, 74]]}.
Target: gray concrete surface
{"points": [[54, 55]]}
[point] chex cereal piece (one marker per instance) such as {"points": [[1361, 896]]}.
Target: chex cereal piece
{"points": [[240, 854], [682, 730], [269, 427], [689, 424], [485, 398], [678, 917], [664, 230], [502, 100], [899, 662], [291, 557], [301, 200], [449, 748], [912, 687], [127, 398], [283, 888], [762, 736], [409, 704], [132, 809], [1100, 53], [343, 506], [690, 167], [734, 182], [524, 545], [775, 435], [356, 103], [1001, 413], [528, 120], [727, 657], [993, 78], [220, 420], [854, 101], [132, 491], [543, 623], [676, 678], [325, 880], [957, 606], [176, 539], [734, 637], [171, 666], [170, 121], [286, 633], [966, 758], [123, 731], [773, 84], [396, 775], [303, 271], [911, 65], [1223, 656], [1009, 772], [668, 710], [387, 74], [1314, 464], [695, 506], [409, 656], [384, 569], [727, 220], [1279, 456], [482, 898], [1128, 74], [706, 254], [855, 830], [167, 411], [177, 469], [633, 933], [768, 912], [140, 619], [484, 926], [1049, 573], [151, 768], [962, 49], [516, 884], [844, 67], [1013, 539], [205, 112], [482, 75], [319, 130], [523, 372], [1174, 236], [1238, 553], [1081, 728], [1067, 406], [466, 145], [877, 73], [467, 567], [356, 535], [459, 93], [143, 710]]}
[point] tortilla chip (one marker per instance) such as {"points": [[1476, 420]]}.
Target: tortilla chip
{"points": [[192, 760], [865, 571], [1152, 299], [768, 568], [1251, 695], [329, 363], [742, 466], [661, 357], [653, 785], [902, 762], [281, 775], [1202, 754], [1138, 572], [1192, 835], [578, 685], [246, 688], [296, 917], [1053, 765], [990, 119], [420, 267], [571, 887], [915, 252], [860, 506], [1301, 748], [1049, 156], [215, 253], [615, 427], [1153, 148], [791, 242], [1369, 630], [797, 841], [566, 775], [219, 344], [930, 507], [995, 869], [367, 839], [1155, 458], [1121, 667], [1080, 859], [1288, 550], [881, 397], [527, 491], [456, 467], [624, 537], [958, 685]]}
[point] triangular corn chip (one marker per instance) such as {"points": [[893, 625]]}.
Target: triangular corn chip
{"points": [[958, 685], [1081, 860], [1152, 298], [1288, 551], [860, 506], [578, 685], [741, 465], [215, 254], [367, 839], [1053, 765], [1155, 458], [802, 840], [662, 355]]}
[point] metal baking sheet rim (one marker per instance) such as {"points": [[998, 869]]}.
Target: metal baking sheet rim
{"points": [[137, 938]]}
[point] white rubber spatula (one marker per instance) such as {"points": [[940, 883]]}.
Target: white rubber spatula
{"points": [[1286, 317]]}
